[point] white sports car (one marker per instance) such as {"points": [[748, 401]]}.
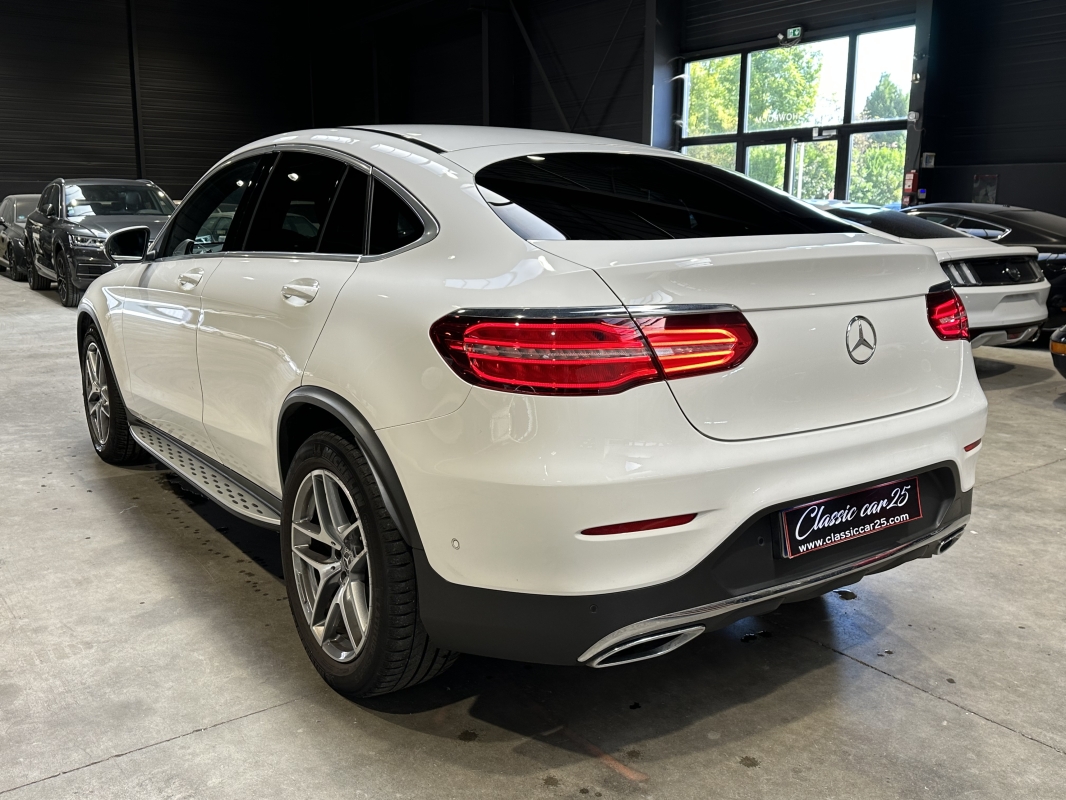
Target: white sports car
{"points": [[1002, 287], [534, 395]]}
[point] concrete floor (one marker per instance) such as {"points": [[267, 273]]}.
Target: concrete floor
{"points": [[147, 651]]}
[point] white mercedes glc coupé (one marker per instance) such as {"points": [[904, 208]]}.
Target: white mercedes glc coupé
{"points": [[532, 395]]}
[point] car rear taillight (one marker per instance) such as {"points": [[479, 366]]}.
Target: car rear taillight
{"points": [[947, 316], [587, 355]]}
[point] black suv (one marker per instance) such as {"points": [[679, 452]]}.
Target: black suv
{"points": [[13, 212], [65, 235]]}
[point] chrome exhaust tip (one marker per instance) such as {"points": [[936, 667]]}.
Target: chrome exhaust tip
{"points": [[644, 647], [948, 541]]}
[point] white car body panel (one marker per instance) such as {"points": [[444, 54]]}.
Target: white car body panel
{"points": [[514, 479], [160, 319], [253, 345]]}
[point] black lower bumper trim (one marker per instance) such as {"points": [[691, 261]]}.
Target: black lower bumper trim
{"points": [[553, 629]]}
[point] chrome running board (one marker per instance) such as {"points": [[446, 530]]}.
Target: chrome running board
{"points": [[212, 482], [643, 631]]}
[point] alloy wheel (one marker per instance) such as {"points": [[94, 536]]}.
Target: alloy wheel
{"points": [[329, 558], [97, 399]]}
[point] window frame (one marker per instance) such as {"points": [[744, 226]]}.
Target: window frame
{"points": [[842, 132], [431, 227]]}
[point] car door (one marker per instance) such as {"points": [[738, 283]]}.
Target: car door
{"points": [[7, 226], [264, 307], [42, 235], [161, 306]]}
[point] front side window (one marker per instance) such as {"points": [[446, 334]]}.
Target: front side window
{"points": [[627, 196], [49, 198], [110, 200], [295, 203], [205, 219]]}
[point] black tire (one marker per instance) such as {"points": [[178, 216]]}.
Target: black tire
{"points": [[395, 651], [37, 281], [116, 445], [69, 294], [14, 268]]}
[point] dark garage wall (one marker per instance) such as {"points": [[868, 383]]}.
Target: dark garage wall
{"points": [[996, 100], [710, 24], [64, 93]]}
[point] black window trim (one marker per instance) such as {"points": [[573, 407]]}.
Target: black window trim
{"points": [[429, 223]]}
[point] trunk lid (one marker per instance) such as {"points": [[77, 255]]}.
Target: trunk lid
{"points": [[800, 294]]}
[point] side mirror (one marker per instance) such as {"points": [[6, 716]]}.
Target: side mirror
{"points": [[3, 221], [128, 244]]}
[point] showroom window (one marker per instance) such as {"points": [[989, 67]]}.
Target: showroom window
{"points": [[822, 120]]}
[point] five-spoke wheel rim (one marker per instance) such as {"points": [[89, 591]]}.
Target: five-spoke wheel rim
{"points": [[329, 560], [97, 401]]}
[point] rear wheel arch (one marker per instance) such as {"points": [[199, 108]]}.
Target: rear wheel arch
{"points": [[310, 409]]}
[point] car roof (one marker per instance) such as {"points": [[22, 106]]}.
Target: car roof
{"points": [[23, 196], [449, 138], [966, 208], [91, 181]]}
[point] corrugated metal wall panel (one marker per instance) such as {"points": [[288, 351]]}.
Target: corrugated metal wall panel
{"points": [[709, 24], [214, 76], [64, 94], [996, 101], [572, 39]]}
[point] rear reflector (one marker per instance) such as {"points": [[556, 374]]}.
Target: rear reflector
{"points": [[947, 315], [586, 356], [972, 446], [1058, 348], [643, 525]]}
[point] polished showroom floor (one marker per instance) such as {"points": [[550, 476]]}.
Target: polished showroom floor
{"points": [[147, 651]]}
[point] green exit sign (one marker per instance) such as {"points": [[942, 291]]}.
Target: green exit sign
{"points": [[794, 33]]}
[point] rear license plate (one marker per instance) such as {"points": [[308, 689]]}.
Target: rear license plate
{"points": [[822, 524]]}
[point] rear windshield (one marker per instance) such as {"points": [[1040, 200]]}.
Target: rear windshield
{"points": [[896, 223], [621, 196], [116, 199]]}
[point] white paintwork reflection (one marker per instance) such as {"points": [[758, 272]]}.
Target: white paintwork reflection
{"points": [[253, 344], [161, 312]]}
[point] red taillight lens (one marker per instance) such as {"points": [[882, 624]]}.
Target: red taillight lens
{"points": [[605, 355], [947, 316], [695, 344]]}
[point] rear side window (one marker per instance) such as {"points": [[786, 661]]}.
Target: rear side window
{"points": [[393, 223], [619, 196], [346, 230], [295, 204]]}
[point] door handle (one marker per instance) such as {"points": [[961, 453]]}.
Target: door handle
{"points": [[300, 292], [187, 280]]}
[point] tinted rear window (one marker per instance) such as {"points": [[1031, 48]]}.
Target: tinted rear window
{"points": [[896, 223], [618, 196]]}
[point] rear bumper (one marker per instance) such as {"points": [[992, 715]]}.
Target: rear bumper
{"points": [[1004, 336], [995, 309], [740, 579]]}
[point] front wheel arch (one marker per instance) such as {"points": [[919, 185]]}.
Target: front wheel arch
{"points": [[310, 409]]}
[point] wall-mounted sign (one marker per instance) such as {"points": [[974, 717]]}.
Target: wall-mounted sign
{"points": [[928, 160]]}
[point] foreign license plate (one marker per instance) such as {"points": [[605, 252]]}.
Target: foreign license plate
{"points": [[824, 523]]}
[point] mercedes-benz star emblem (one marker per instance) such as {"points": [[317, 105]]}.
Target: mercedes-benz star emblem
{"points": [[861, 340]]}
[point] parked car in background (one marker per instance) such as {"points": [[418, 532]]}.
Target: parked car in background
{"points": [[13, 212], [65, 234], [1002, 287], [1014, 226], [534, 395], [1058, 350]]}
